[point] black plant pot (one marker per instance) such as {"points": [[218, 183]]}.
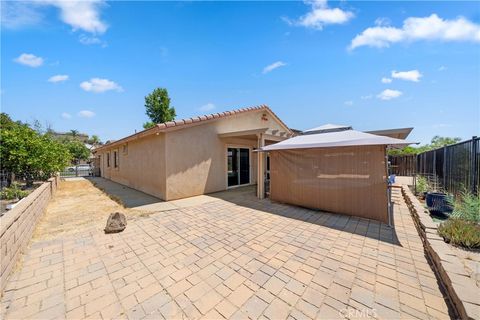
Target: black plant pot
{"points": [[438, 203]]}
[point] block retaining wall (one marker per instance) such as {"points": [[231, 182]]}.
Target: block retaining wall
{"points": [[17, 225], [461, 290]]}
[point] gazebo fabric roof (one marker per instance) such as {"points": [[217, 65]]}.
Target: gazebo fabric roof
{"points": [[342, 138]]}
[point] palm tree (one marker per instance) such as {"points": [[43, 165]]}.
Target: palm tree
{"points": [[94, 140], [74, 133]]}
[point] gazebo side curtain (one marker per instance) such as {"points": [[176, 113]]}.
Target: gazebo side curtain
{"points": [[347, 180]]}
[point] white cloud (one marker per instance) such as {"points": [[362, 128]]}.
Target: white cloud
{"points": [[30, 60], [18, 14], [273, 66], [389, 94], [91, 40], [98, 85], [58, 78], [321, 15], [348, 103], [66, 115], [415, 29], [383, 21], [386, 80], [442, 68], [367, 97], [79, 14], [207, 107], [86, 114], [412, 75]]}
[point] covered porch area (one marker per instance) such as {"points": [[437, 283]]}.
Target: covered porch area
{"points": [[244, 165]]}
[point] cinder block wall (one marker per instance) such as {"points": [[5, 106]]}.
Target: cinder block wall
{"points": [[17, 225]]}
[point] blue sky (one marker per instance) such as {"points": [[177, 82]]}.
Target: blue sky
{"points": [[88, 65]]}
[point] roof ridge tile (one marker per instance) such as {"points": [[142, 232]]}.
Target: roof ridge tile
{"points": [[192, 120]]}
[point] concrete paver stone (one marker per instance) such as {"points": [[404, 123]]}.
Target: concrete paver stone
{"points": [[230, 256]]}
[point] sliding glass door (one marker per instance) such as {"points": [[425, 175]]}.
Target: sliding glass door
{"points": [[238, 166]]}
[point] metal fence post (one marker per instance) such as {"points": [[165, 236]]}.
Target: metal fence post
{"points": [[444, 182], [434, 170], [475, 169]]}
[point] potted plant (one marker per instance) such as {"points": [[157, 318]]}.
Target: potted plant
{"points": [[421, 187], [439, 202]]}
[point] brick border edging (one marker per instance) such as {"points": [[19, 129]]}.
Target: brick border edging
{"points": [[18, 224], [460, 288]]}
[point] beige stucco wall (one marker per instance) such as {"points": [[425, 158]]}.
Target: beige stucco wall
{"points": [[187, 161], [197, 156], [142, 167]]}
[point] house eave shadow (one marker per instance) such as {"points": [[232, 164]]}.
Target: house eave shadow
{"points": [[129, 197]]}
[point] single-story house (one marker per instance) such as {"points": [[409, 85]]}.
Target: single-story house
{"points": [[190, 157], [333, 168]]}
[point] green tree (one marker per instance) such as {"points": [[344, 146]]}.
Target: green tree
{"points": [[438, 142], [157, 105], [37, 126], [29, 154], [94, 140], [74, 133], [6, 122], [148, 125], [403, 152], [77, 150], [435, 143]]}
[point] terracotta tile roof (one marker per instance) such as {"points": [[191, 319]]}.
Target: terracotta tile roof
{"points": [[182, 122], [190, 121]]}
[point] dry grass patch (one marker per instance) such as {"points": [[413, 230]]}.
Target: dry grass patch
{"points": [[77, 205]]}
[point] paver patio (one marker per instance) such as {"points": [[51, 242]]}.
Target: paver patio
{"points": [[235, 257]]}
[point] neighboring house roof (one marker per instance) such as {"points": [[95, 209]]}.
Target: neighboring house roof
{"points": [[327, 128], [161, 127], [296, 131], [399, 133], [340, 138]]}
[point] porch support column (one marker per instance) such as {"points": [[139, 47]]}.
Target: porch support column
{"points": [[261, 168]]}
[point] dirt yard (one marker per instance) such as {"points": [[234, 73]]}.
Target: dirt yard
{"points": [[77, 205]]}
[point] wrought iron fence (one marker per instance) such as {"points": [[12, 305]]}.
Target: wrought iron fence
{"points": [[4, 177], [456, 167], [78, 171]]}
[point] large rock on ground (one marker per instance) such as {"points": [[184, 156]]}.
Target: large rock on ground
{"points": [[116, 223]]}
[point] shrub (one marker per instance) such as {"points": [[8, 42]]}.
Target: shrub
{"points": [[13, 192], [27, 153], [467, 207], [460, 232], [422, 185]]}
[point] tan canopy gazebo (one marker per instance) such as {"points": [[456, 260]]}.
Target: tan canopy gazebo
{"points": [[333, 168]]}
